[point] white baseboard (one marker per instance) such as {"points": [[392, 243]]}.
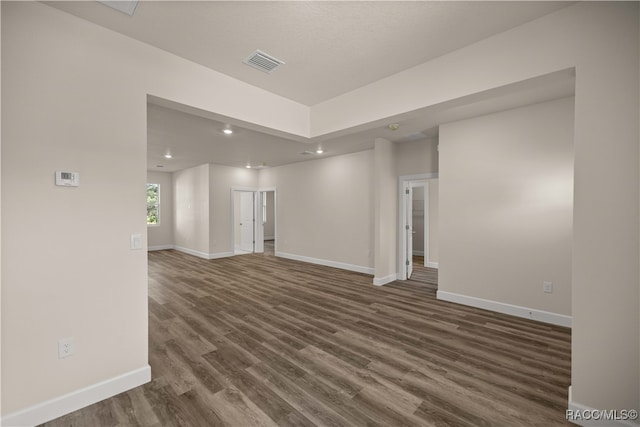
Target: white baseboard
{"points": [[584, 415], [500, 307], [432, 264], [327, 263], [381, 281], [159, 248], [269, 238], [418, 253], [203, 254], [59, 406]]}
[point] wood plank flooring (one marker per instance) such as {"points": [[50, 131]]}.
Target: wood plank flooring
{"points": [[256, 340]]}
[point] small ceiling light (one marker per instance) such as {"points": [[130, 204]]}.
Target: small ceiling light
{"points": [[168, 156], [394, 126], [248, 166], [319, 150], [227, 131]]}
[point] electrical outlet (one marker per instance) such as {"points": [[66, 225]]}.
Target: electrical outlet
{"points": [[65, 347], [547, 287]]}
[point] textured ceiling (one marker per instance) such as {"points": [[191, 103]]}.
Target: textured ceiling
{"points": [[329, 48]]}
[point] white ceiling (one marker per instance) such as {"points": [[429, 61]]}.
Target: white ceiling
{"points": [[329, 48]]}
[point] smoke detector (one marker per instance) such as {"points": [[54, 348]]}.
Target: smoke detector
{"points": [[262, 61]]}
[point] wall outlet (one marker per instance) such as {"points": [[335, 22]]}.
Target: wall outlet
{"points": [[65, 347], [547, 287]]}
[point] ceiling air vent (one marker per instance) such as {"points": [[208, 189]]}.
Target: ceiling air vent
{"points": [[262, 61], [306, 153], [124, 6]]}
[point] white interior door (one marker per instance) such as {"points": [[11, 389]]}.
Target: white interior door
{"points": [[409, 228], [247, 221]]}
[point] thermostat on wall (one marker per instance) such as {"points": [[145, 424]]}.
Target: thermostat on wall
{"points": [[67, 179]]}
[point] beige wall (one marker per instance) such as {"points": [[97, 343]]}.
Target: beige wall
{"points": [[418, 220], [434, 212], [55, 68], [325, 208], [191, 209], [599, 39], [161, 236], [223, 179], [76, 95], [65, 108], [416, 157], [269, 226], [506, 206], [203, 207], [385, 199]]}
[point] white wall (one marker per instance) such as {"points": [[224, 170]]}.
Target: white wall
{"points": [[506, 208], [161, 236], [324, 209]]}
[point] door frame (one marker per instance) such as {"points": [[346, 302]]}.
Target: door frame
{"points": [[256, 229], [260, 234], [403, 181]]}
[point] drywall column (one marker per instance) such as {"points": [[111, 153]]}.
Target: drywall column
{"points": [[385, 217]]}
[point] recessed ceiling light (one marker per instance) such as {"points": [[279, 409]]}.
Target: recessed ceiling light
{"points": [[319, 150], [227, 131], [394, 126], [248, 166], [168, 156]]}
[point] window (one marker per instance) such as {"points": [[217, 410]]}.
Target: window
{"points": [[153, 204]]}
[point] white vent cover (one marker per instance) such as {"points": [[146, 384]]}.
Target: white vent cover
{"points": [[262, 61]]}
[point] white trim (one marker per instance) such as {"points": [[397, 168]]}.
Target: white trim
{"points": [[431, 264], [418, 253], [500, 307], [203, 255], [327, 263], [192, 252], [160, 248], [70, 402], [589, 411], [381, 281]]}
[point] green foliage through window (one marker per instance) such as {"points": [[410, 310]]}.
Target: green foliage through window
{"points": [[153, 204]]}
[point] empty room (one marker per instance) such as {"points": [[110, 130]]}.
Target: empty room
{"points": [[357, 213]]}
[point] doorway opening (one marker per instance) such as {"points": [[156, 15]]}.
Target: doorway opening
{"points": [[417, 228], [268, 217], [244, 220]]}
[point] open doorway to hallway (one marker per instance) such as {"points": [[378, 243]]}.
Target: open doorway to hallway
{"points": [[418, 227], [268, 199]]}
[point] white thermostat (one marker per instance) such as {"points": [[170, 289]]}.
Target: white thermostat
{"points": [[67, 179]]}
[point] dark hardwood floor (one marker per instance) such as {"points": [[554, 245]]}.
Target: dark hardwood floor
{"points": [[256, 340]]}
